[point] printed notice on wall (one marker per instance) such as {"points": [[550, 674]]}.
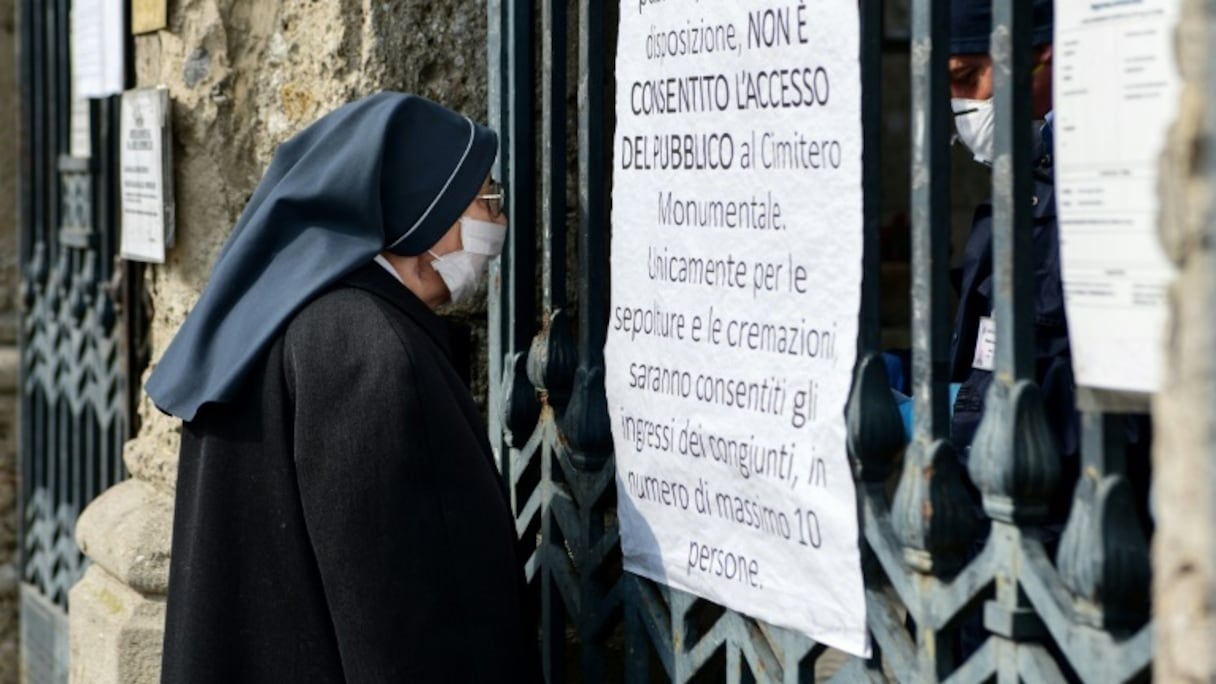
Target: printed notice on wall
{"points": [[80, 136], [98, 54], [736, 282], [1116, 93], [147, 175]]}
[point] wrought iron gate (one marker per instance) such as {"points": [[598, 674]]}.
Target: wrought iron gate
{"points": [[74, 331], [1082, 617]]}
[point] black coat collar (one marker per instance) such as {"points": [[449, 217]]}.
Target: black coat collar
{"points": [[373, 278]]}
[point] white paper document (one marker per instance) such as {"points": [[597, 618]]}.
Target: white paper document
{"points": [[736, 286], [80, 140], [147, 175], [98, 47], [1116, 94]]}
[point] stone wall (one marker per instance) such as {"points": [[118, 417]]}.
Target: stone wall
{"points": [[1184, 413], [244, 75], [8, 339]]}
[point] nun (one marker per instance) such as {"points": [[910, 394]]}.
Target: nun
{"points": [[339, 516]]}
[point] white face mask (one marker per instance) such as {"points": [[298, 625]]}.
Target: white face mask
{"points": [[976, 125], [464, 270]]}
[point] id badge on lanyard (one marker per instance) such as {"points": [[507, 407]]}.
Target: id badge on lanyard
{"points": [[985, 345]]}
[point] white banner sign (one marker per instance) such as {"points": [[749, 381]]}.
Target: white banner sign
{"points": [[1116, 93], [736, 283]]}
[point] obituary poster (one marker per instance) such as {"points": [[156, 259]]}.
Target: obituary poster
{"points": [[1116, 93], [736, 283], [146, 158]]}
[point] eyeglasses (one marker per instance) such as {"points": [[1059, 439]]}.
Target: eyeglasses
{"points": [[494, 201]]}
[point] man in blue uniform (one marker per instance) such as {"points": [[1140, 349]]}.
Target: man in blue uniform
{"points": [[971, 91]]}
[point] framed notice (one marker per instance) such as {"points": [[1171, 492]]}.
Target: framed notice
{"points": [[736, 286], [146, 175]]}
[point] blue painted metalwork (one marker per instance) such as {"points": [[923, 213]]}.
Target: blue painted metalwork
{"points": [[926, 578], [78, 342]]}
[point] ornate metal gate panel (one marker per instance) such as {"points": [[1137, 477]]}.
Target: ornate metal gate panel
{"points": [[1081, 616], [74, 399]]}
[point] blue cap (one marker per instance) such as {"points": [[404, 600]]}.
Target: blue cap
{"points": [[971, 25]]}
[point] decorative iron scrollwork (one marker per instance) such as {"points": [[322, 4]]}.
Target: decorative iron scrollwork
{"points": [[1104, 557], [73, 391], [33, 279], [520, 410], [553, 358], [585, 423], [875, 431], [1014, 460], [932, 515], [72, 388]]}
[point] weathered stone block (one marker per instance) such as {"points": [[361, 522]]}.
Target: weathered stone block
{"points": [[116, 632], [152, 456], [127, 530]]}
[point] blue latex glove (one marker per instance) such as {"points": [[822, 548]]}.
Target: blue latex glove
{"points": [[904, 403]]}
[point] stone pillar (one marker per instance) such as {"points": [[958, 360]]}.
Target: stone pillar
{"points": [[244, 75], [1184, 413]]}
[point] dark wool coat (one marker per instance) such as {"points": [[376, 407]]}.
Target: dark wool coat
{"points": [[342, 520]]}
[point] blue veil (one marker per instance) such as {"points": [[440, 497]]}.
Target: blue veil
{"points": [[391, 171]]}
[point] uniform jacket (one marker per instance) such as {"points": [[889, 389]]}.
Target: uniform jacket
{"points": [[342, 520], [1053, 356]]}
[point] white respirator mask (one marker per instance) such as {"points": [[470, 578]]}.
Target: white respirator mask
{"points": [[464, 270], [975, 121]]}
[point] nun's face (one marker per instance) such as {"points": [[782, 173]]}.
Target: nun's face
{"points": [[417, 271]]}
